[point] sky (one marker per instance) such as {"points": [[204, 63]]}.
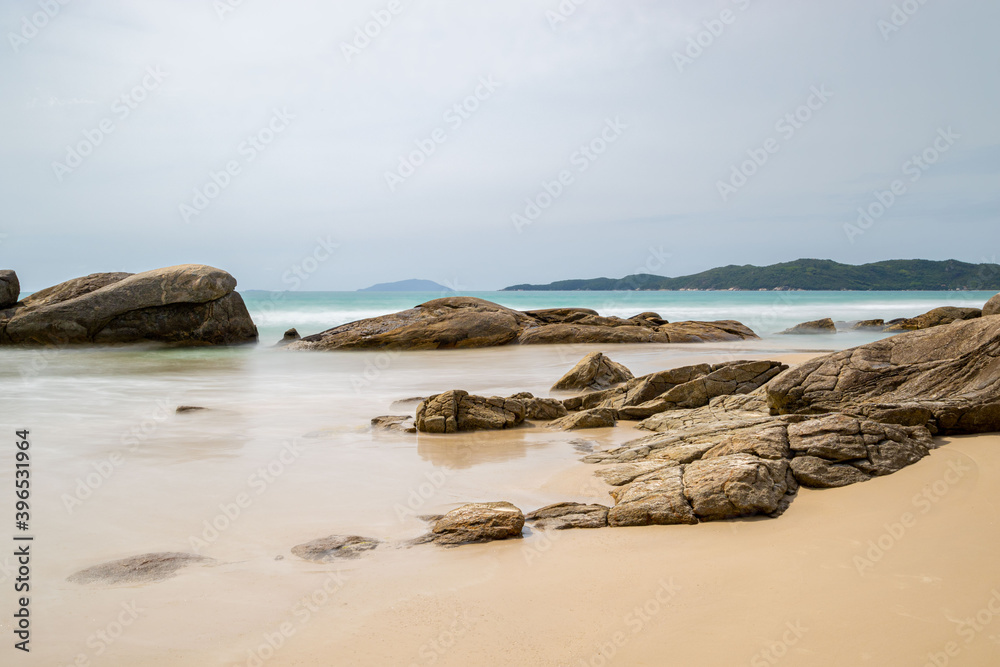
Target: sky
{"points": [[330, 146]]}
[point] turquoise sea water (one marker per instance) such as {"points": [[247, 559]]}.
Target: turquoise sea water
{"points": [[764, 312]]}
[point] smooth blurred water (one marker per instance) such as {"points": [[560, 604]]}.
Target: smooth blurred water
{"points": [[764, 312]]}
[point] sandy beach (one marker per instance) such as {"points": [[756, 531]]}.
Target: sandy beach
{"points": [[876, 573]]}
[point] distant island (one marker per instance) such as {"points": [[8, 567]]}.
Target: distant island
{"points": [[804, 274], [408, 286]]}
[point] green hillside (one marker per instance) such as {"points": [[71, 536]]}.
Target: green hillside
{"points": [[806, 274]]}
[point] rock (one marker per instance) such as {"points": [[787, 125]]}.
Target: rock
{"points": [[623, 473], [189, 408], [562, 516], [649, 318], [10, 288], [864, 325], [179, 305], [143, 569], [825, 326], [656, 500], [946, 378], [992, 307], [457, 410], [817, 473], [594, 372], [335, 547], [478, 522], [403, 424], [466, 322], [290, 336], [541, 409], [593, 418], [935, 318], [686, 387], [411, 403], [874, 449], [735, 486]]}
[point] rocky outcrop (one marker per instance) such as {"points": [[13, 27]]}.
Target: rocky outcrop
{"points": [[686, 387], [594, 372], [824, 326], [398, 423], [179, 305], [869, 325], [144, 569], [946, 378], [992, 307], [724, 461], [466, 322], [477, 522], [563, 516], [334, 548], [457, 410], [10, 288], [934, 318], [593, 418]]}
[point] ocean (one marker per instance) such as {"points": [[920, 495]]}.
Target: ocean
{"points": [[283, 454]]}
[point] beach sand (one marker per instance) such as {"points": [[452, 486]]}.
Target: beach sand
{"points": [[878, 573]]}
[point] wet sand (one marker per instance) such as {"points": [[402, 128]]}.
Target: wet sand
{"points": [[875, 573]]}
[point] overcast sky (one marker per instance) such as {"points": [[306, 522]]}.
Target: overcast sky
{"points": [[313, 122]]}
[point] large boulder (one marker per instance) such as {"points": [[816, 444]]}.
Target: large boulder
{"points": [[542, 409], [737, 485], [457, 410], [477, 522], [10, 288], [653, 499], [182, 305], [467, 322], [946, 378], [824, 326], [934, 318], [594, 372], [992, 307]]}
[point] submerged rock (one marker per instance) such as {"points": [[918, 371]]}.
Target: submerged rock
{"points": [[563, 516], [477, 522], [869, 325], [143, 569], [180, 305], [290, 336], [468, 322], [594, 372], [824, 326], [400, 423], [335, 547]]}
